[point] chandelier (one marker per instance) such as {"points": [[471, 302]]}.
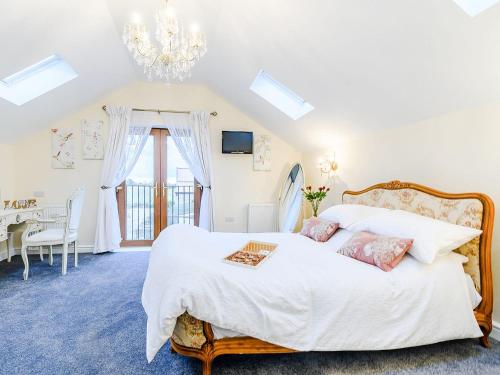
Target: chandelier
{"points": [[178, 51]]}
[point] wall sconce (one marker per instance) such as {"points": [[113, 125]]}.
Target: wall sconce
{"points": [[328, 166]]}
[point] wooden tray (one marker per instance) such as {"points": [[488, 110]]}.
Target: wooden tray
{"points": [[252, 255]]}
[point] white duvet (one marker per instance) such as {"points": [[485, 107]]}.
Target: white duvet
{"points": [[306, 296]]}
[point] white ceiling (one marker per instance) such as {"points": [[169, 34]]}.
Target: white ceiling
{"points": [[364, 65]]}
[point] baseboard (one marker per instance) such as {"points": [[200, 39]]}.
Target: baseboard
{"points": [[86, 248], [495, 333], [55, 250]]}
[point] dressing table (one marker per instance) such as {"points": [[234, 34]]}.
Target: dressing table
{"points": [[16, 216]]}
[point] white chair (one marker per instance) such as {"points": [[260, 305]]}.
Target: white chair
{"points": [[35, 235]]}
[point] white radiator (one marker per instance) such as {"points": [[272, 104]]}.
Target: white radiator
{"points": [[261, 217]]}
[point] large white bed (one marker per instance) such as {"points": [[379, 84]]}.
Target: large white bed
{"points": [[307, 297]]}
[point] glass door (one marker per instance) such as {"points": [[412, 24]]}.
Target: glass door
{"points": [[183, 193], [159, 191]]}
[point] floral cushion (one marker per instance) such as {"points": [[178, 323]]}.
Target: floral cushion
{"points": [[381, 251], [320, 230], [189, 332]]}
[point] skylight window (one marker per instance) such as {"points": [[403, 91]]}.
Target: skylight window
{"points": [[474, 7], [280, 96], [36, 80]]}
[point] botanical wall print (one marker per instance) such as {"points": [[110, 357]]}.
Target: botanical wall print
{"points": [[92, 139], [63, 149], [262, 153]]}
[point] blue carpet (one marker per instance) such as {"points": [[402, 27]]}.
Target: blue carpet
{"points": [[92, 322]]}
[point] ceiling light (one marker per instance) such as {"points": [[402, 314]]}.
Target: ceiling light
{"points": [[178, 50], [474, 7], [280, 96], [36, 80]]}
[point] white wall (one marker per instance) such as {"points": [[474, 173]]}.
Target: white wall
{"points": [[7, 181], [457, 152], [7, 169], [236, 184]]}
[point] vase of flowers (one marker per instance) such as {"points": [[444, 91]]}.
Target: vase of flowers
{"points": [[315, 197]]}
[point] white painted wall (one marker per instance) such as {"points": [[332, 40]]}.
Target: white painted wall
{"points": [[7, 181], [457, 152], [235, 182], [7, 172]]}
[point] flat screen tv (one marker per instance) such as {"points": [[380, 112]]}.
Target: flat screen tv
{"points": [[235, 142]]}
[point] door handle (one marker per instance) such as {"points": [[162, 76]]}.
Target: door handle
{"points": [[155, 188], [164, 189]]}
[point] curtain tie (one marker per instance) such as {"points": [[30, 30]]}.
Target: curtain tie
{"points": [[104, 187], [206, 187]]}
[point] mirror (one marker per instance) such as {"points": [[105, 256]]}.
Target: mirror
{"points": [[290, 199]]}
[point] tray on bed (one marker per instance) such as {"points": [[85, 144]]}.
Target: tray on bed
{"points": [[252, 255]]}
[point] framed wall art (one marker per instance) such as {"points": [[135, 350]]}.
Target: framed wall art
{"points": [[262, 153], [63, 149], [92, 140]]}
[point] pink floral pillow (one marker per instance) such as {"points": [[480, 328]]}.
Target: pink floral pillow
{"points": [[381, 251], [320, 230]]}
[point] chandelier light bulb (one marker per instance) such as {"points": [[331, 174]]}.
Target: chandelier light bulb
{"points": [[169, 11], [135, 18]]}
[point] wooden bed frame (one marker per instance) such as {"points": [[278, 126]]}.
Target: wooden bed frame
{"points": [[213, 348]]}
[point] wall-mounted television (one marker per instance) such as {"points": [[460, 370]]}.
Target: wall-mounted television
{"points": [[236, 142]]}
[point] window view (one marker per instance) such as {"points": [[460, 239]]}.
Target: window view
{"points": [[159, 191], [180, 183], [140, 196]]}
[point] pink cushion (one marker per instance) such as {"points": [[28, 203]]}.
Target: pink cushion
{"points": [[381, 251], [319, 230]]}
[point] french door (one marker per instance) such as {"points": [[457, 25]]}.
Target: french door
{"points": [[159, 191]]}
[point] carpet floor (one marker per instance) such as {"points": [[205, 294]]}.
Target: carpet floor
{"points": [[92, 322]]}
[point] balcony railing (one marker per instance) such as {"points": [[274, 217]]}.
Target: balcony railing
{"points": [[140, 212], [180, 208], [140, 209]]}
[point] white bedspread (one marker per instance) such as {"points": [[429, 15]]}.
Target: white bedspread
{"points": [[306, 296]]}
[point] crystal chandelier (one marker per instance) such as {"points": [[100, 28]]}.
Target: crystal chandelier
{"points": [[178, 52]]}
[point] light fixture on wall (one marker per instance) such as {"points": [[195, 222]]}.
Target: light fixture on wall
{"points": [[178, 52], [328, 166]]}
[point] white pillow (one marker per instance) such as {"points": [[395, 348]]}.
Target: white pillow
{"points": [[348, 214], [431, 237]]}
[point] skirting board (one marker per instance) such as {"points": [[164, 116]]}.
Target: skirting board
{"points": [[56, 250], [495, 333]]}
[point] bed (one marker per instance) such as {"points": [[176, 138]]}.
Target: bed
{"points": [[176, 296]]}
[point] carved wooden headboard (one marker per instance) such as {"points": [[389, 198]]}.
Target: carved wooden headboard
{"points": [[469, 209]]}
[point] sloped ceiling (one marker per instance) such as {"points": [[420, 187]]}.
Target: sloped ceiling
{"points": [[83, 32], [364, 65]]}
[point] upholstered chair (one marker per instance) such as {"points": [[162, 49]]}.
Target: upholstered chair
{"points": [[66, 234]]}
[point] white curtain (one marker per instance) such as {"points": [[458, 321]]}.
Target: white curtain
{"points": [[125, 143], [191, 135]]}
